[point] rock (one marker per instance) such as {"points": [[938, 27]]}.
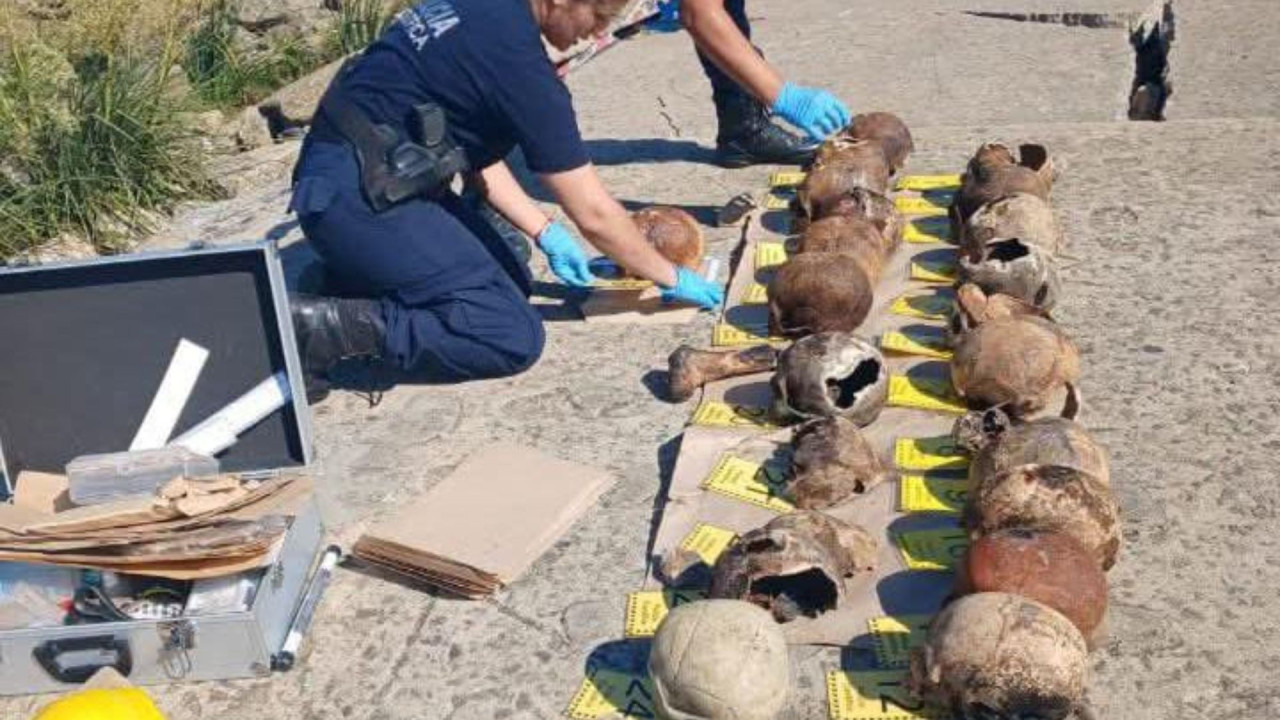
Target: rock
{"points": [[250, 130], [297, 101]]}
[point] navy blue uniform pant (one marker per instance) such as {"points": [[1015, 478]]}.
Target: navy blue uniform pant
{"points": [[725, 89], [454, 295]]}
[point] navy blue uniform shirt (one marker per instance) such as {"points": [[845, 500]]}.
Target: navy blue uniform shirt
{"points": [[483, 61]]}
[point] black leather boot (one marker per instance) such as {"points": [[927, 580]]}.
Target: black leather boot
{"points": [[332, 329], [749, 136]]}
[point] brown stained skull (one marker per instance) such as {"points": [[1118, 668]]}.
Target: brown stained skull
{"points": [[1048, 497], [830, 375], [998, 444], [843, 165], [997, 656], [875, 207], [818, 292], [1021, 215], [995, 172], [1017, 363], [887, 129], [673, 233], [855, 236], [831, 463], [1011, 266], [794, 566], [1048, 567]]}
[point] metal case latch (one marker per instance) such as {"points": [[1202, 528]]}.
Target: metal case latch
{"points": [[177, 637]]}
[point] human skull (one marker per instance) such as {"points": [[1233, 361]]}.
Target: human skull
{"points": [[830, 374]]}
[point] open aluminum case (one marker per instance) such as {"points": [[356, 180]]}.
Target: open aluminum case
{"points": [[84, 346]]}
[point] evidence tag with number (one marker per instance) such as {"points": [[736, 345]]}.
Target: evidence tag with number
{"points": [[927, 229], [787, 179], [770, 254], [714, 413], [894, 637], [923, 340], [741, 479], [929, 182], [933, 493], [939, 452], [920, 206], [932, 549], [647, 609], [609, 693], [873, 695], [726, 335], [708, 542], [924, 394], [756, 294]]}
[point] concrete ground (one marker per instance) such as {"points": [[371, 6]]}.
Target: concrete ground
{"points": [[1172, 286]]}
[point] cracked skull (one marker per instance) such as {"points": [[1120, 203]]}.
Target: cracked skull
{"points": [[828, 375]]}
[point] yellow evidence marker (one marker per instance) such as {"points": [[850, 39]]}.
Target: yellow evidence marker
{"points": [[647, 609], [714, 413], [610, 693], [708, 542], [924, 394], [757, 294], [934, 304], [770, 254], [786, 179], [932, 549], [920, 206], [894, 637], [926, 493], [873, 695], [932, 229], [939, 452], [922, 183], [761, 485], [934, 271], [926, 341], [726, 335]]}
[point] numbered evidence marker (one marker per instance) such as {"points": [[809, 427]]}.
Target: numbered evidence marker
{"points": [[756, 294], [741, 479], [779, 199], [932, 549], [923, 340], [923, 206], [933, 493], [894, 637], [708, 541], [924, 394], [646, 610], [927, 182], [714, 413], [789, 179], [935, 304], [929, 453], [934, 271], [770, 254], [873, 695], [929, 229], [609, 693], [726, 335]]}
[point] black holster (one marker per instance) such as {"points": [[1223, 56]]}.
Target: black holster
{"points": [[394, 168]]}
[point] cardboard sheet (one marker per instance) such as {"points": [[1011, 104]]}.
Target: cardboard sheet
{"points": [[42, 492], [483, 526], [639, 302], [893, 589]]}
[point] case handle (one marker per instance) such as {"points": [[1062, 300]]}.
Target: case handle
{"points": [[50, 653]]}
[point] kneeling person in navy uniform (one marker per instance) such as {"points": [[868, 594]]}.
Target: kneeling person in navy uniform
{"points": [[425, 282]]}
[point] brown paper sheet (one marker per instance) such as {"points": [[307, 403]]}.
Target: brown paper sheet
{"points": [[490, 519], [42, 492], [892, 590]]}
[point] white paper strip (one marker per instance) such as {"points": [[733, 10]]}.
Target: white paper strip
{"points": [[221, 430], [175, 389]]}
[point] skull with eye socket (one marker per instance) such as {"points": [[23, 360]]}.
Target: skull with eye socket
{"points": [[828, 375]]}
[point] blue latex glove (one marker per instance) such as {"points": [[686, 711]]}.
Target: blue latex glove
{"points": [[815, 111], [692, 288], [565, 257]]}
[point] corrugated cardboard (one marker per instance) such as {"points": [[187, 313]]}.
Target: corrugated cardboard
{"points": [[483, 526], [42, 492]]}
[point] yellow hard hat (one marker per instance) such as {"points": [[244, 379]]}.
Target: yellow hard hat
{"points": [[115, 704]]}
